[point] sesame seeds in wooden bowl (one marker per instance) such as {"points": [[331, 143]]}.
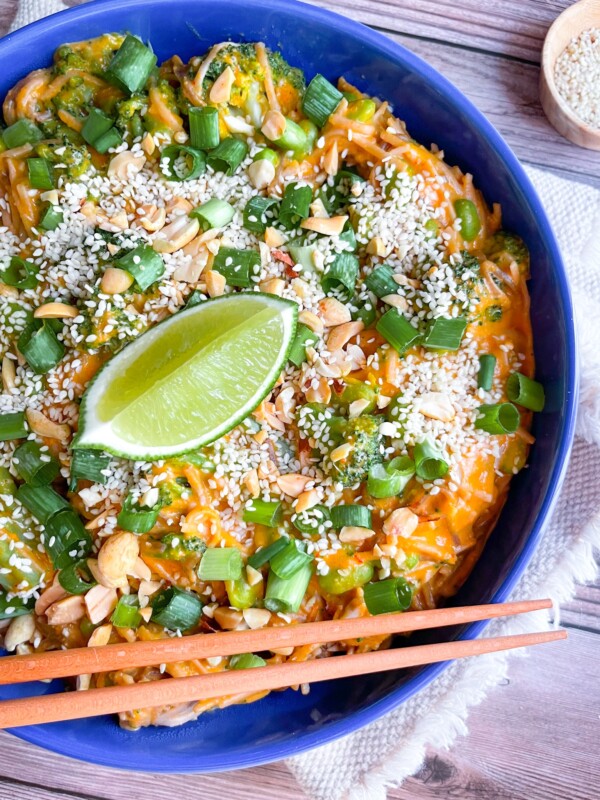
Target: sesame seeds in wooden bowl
{"points": [[570, 75]]}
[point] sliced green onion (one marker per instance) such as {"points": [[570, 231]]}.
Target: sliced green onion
{"points": [[76, 578], [20, 273], [37, 468], [343, 272], [40, 346], [320, 100], [293, 137], [175, 609], [194, 299], [246, 661], [50, 218], [255, 213], [42, 501], [237, 266], [351, 515], [15, 607], [470, 224], [228, 155], [339, 581], [133, 517], [23, 131], [525, 392], [265, 554], [383, 597], [381, 281], [89, 465], [303, 254], [268, 154], [12, 426], [127, 613], [365, 312], [96, 124], [131, 65], [445, 333], [348, 236], [398, 331], [304, 338], [144, 264], [290, 560], [430, 463], [204, 127], [310, 520], [111, 138], [214, 213], [312, 134], [389, 480], [179, 162], [221, 564], [295, 205], [286, 594], [487, 367], [40, 173], [359, 391], [263, 512], [498, 418], [65, 538]]}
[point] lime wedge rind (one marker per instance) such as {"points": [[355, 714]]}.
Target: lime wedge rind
{"points": [[96, 433]]}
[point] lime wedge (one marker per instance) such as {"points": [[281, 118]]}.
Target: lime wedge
{"points": [[190, 379]]}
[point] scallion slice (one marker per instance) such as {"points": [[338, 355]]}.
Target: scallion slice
{"points": [[144, 264], [263, 512], [303, 254], [88, 465], [179, 162], [15, 607], [383, 597], [246, 661], [348, 236], [65, 538], [342, 273], [255, 213], [194, 299], [77, 578], [40, 173], [131, 65], [96, 124], [221, 564], [381, 281], [525, 392], [127, 613], [304, 338], [498, 418], [365, 312], [112, 138], [42, 501], [214, 213], [293, 138], [175, 609], [12, 426], [204, 127], [350, 515], [268, 154], [237, 266], [34, 466], [295, 205], [389, 480], [290, 560], [430, 463], [487, 367], [398, 331], [286, 594], [228, 155], [135, 518], [23, 131], [20, 273], [320, 100], [312, 519], [445, 333], [265, 554], [40, 346], [50, 218]]}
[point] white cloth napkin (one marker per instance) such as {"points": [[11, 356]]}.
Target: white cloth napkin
{"points": [[361, 766]]}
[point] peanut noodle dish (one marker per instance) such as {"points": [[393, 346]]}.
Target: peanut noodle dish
{"points": [[266, 359]]}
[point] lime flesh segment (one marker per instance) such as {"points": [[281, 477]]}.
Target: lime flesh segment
{"points": [[190, 379]]}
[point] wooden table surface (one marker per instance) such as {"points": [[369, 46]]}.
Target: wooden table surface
{"points": [[536, 736]]}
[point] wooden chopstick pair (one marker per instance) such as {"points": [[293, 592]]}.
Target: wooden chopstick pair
{"points": [[94, 702]]}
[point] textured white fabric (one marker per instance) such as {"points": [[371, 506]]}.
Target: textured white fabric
{"points": [[383, 754]]}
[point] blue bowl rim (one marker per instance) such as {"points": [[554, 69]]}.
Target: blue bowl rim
{"points": [[392, 50]]}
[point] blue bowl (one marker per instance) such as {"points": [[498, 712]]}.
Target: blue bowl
{"points": [[287, 723]]}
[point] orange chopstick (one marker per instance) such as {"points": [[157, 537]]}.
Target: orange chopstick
{"points": [[95, 702], [81, 661]]}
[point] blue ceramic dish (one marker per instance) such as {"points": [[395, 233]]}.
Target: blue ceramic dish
{"points": [[287, 723]]}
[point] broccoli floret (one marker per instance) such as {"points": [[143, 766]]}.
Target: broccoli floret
{"points": [[493, 313], [129, 114], [74, 97], [363, 435], [504, 247], [178, 547], [243, 54], [282, 71], [92, 56], [73, 154]]}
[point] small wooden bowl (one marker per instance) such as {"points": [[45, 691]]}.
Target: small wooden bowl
{"points": [[573, 21]]}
